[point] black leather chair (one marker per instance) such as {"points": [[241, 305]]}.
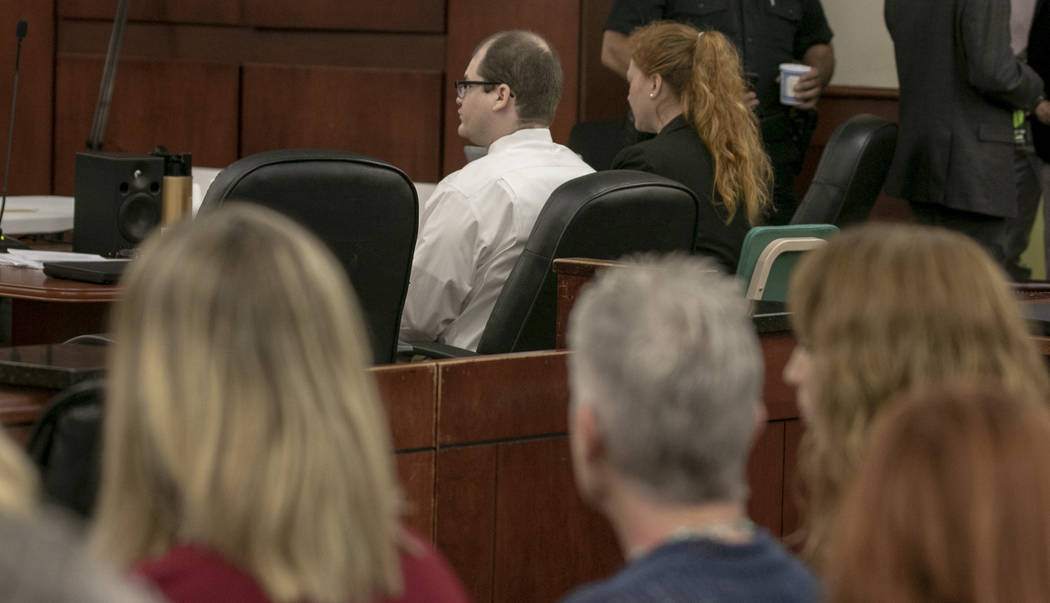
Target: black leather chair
{"points": [[364, 209], [851, 172], [66, 447], [604, 215]]}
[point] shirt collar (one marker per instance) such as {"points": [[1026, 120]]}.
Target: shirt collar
{"points": [[517, 137]]}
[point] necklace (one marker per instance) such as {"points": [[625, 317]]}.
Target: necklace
{"points": [[737, 531]]}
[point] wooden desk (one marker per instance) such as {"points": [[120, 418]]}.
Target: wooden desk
{"points": [[50, 310]]}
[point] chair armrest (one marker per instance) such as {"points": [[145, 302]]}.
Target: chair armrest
{"points": [[433, 349]]}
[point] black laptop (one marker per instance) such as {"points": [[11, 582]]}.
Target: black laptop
{"points": [[102, 272]]}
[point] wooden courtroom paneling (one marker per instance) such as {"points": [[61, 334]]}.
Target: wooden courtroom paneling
{"points": [[504, 396], [185, 106], [387, 114], [236, 45], [409, 393], [603, 94], [792, 481], [779, 396], [469, 22], [35, 322], [542, 555], [465, 515], [416, 472], [391, 15], [30, 171], [182, 11], [765, 476]]}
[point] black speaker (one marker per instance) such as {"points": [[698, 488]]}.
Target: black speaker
{"points": [[118, 201]]}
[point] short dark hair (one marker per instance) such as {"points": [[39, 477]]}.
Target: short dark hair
{"points": [[530, 67]]}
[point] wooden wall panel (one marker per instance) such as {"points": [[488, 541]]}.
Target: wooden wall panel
{"points": [[391, 15], [778, 395], [500, 397], [409, 393], [387, 114], [603, 94], [541, 556], [30, 171], [469, 22], [416, 472], [792, 483], [465, 515], [236, 45], [184, 106], [765, 477], [182, 11]]}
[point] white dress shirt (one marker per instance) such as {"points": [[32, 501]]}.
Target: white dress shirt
{"points": [[472, 230]]}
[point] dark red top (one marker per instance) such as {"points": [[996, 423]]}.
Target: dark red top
{"points": [[194, 574]]}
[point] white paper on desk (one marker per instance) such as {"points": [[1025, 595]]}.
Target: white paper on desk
{"points": [[29, 258]]}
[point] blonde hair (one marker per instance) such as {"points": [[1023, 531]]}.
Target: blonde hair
{"points": [[883, 308], [950, 503], [19, 482], [241, 416], [705, 72]]}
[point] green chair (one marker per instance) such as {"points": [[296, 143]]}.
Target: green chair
{"points": [[769, 255]]}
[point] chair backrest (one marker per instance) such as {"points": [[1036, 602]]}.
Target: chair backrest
{"points": [[364, 209], [769, 254], [851, 172], [65, 446], [604, 215]]}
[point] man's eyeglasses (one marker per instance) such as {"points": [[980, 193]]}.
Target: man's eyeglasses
{"points": [[463, 85]]}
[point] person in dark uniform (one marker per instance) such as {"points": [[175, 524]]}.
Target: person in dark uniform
{"points": [[766, 33], [686, 87]]}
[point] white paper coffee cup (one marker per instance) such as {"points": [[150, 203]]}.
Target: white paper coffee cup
{"points": [[789, 76]]}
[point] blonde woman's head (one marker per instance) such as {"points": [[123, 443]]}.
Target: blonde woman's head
{"points": [[241, 416], [883, 308]]}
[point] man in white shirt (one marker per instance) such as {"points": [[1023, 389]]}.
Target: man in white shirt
{"points": [[475, 224]]}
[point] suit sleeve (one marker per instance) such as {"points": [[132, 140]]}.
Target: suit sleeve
{"points": [[984, 29], [442, 267]]}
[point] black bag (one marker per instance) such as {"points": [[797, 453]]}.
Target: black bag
{"points": [[65, 446]]}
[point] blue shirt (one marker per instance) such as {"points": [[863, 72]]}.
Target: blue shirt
{"points": [[707, 571]]}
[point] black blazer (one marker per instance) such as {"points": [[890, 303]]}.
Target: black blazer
{"points": [[678, 153], [1039, 60]]}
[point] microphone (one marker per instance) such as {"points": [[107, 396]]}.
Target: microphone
{"points": [[6, 242]]}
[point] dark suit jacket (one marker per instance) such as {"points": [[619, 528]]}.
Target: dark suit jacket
{"points": [[959, 83], [678, 153], [1039, 59]]}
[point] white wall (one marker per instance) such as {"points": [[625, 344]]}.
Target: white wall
{"points": [[863, 49]]}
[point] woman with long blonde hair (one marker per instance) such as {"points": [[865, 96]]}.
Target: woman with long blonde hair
{"points": [[686, 86], [246, 454], [881, 309]]}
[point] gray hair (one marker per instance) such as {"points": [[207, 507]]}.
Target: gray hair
{"points": [[530, 66], [666, 355]]}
